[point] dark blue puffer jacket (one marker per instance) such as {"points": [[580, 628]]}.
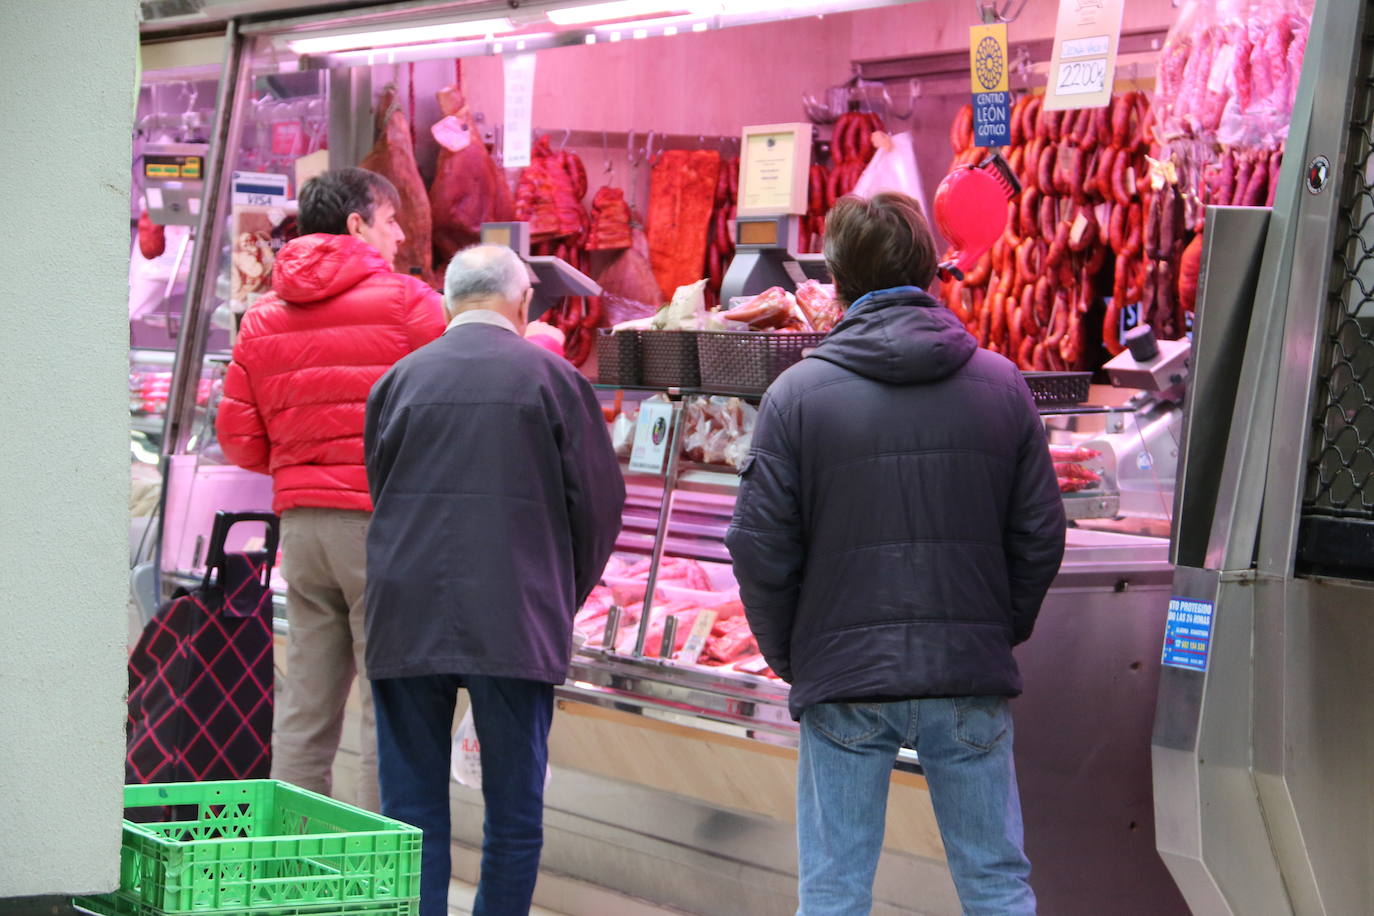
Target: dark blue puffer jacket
{"points": [[898, 520]]}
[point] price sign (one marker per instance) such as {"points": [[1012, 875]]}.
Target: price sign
{"points": [[1080, 77], [1083, 64], [696, 640], [987, 48], [652, 429]]}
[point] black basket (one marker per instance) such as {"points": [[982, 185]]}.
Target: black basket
{"points": [[1058, 389], [748, 361], [618, 360], [669, 359]]}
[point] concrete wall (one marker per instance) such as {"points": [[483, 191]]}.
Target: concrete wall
{"points": [[68, 75]]}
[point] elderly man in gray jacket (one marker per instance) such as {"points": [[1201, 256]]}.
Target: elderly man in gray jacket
{"points": [[497, 502]]}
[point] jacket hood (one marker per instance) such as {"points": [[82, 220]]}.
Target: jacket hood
{"points": [[900, 336], [314, 268]]}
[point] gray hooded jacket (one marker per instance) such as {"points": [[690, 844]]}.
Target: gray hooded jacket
{"points": [[898, 521]]}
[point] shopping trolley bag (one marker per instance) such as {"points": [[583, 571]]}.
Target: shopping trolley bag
{"points": [[200, 677]]}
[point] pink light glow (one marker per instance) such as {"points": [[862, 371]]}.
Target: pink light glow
{"points": [[415, 34], [619, 9]]}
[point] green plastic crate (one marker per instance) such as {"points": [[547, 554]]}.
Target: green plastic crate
{"points": [[259, 847]]}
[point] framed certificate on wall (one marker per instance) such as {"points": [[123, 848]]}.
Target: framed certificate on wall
{"points": [[774, 165]]}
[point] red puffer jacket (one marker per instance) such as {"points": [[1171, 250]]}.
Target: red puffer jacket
{"points": [[306, 357]]}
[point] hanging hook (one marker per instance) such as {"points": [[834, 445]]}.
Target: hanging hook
{"points": [[606, 151], [567, 132], [913, 92], [990, 12], [632, 157], [649, 155]]}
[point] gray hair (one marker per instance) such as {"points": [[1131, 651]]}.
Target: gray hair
{"points": [[485, 270]]}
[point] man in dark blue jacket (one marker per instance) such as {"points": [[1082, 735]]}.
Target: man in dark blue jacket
{"points": [[897, 527], [498, 499]]}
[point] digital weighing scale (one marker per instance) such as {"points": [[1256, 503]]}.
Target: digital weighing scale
{"points": [[553, 278]]}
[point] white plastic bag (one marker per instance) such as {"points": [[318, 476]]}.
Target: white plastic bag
{"points": [[893, 169], [465, 763]]}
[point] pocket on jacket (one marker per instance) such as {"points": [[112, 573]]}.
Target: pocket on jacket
{"points": [[980, 722], [847, 724]]}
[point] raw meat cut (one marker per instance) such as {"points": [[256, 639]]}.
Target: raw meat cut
{"points": [[610, 221], [152, 238], [469, 187], [627, 277], [681, 198], [772, 308], [818, 304], [394, 156], [549, 194]]}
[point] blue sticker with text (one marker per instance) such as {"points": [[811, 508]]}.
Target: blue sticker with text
{"points": [[991, 118], [1187, 634]]}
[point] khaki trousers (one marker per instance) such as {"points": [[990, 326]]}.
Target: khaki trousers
{"points": [[324, 560]]}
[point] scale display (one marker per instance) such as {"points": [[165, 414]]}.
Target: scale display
{"points": [[173, 167], [762, 232]]}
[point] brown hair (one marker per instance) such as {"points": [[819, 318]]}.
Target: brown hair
{"points": [[327, 199], [878, 244]]}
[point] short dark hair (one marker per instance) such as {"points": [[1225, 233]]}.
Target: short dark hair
{"points": [[327, 199], [877, 244]]}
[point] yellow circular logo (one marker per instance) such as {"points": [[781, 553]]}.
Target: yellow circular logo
{"points": [[988, 63]]}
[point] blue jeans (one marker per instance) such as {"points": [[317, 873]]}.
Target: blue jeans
{"points": [[512, 718], [845, 764]]}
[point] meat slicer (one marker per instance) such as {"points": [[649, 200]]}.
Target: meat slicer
{"points": [[1142, 455]]}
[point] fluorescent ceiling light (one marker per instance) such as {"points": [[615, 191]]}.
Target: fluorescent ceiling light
{"points": [[437, 32], [619, 9], [666, 22]]}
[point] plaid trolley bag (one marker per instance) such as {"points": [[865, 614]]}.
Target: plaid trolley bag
{"points": [[200, 677]]}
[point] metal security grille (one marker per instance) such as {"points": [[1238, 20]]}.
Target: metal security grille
{"points": [[1338, 502]]}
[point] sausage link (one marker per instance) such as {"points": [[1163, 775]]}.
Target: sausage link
{"points": [[1049, 216], [1106, 159], [1045, 180], [1029, 212], [1275, 166], [1245, 167]]}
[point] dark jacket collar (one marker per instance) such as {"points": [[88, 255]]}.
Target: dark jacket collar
{"points": [[900, 336]]}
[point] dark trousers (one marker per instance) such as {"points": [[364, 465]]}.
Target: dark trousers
{"points": [[512, 718]]}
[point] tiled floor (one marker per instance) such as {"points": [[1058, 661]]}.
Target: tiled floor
{"points": [[573, 898], [461, 896]]}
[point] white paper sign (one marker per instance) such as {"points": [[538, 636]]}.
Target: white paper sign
{"points": [[1083, 63], [519, 72], [651, 437], [258, 189]]}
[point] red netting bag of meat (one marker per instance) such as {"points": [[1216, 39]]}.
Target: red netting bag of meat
{"points": [[682, 196], [394, 156], [610, 221], [536, 193]]}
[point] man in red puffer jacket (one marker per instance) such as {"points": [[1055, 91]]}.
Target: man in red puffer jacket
{"points": [[306, 357]]}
